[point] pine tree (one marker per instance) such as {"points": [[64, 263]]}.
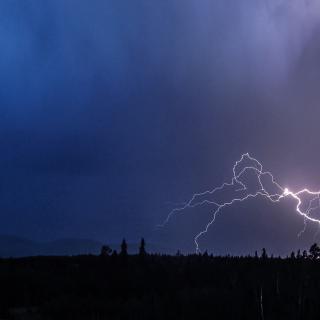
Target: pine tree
{"points": [[264, 254], [299, 254], [304, 254], [142, 249], [314, 252], [124, 248]]}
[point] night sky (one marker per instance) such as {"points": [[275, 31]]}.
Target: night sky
{"points": [[114, 111]]}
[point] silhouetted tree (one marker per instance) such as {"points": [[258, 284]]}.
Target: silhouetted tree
{"points": [[299, 254], [292, 255], [124, 248], [142, 248], [304, 254], [105, 251], [314, 252], [264, 254]]}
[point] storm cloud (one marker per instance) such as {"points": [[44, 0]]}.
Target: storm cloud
{"points": [[109, 109]]}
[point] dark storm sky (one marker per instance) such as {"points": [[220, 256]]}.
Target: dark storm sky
{"points": [[111, 109]]}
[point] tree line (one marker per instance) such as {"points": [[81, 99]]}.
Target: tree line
{"points": [[117, 285]]}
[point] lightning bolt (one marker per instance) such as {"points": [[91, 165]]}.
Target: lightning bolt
{"points": [[242, 169]]}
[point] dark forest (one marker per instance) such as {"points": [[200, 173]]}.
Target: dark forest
{"points": [[151, 286]]}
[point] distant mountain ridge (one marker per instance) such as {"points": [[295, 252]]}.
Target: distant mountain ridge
{"points": [[12, 246]]}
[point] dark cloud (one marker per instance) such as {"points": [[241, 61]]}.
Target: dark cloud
{"points": [[110, 109]]}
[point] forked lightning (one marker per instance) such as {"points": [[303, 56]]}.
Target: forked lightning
{"points": [[239, 185]]}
